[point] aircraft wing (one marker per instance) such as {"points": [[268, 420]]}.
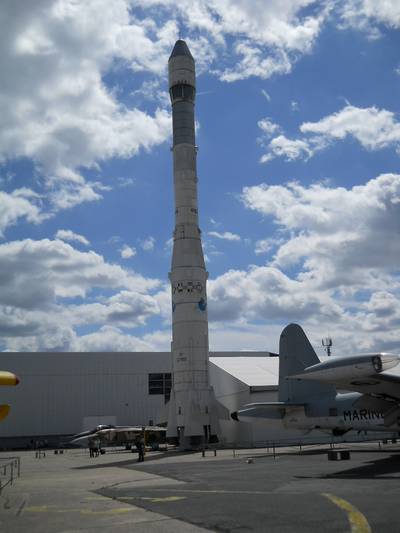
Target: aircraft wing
{"points": [[118, 435], [367, 374]]}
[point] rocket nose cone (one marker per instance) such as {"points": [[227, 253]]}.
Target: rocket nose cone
{"points": [[180, 49]]}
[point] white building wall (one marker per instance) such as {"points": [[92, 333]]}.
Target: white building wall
{"points": [[61, 393], [58, 391]]}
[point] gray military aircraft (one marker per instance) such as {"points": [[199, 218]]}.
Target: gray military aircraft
{"points": [[308, 396], [108, 435]]}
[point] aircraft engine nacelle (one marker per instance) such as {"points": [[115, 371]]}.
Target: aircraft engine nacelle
{"points": [[360, 369], [349, 368]]}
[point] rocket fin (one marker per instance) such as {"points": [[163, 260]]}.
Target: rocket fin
{"points": [[172, 429]]}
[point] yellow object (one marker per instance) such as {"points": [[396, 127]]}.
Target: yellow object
{"points": [[358, 522], [4, 410], [8, 378]]}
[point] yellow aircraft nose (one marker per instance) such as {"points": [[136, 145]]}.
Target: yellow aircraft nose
{"points": [[8, 378], [4, 410]]}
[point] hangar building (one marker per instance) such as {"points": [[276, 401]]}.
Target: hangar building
{"points": [[64, 393], [61, 394]]}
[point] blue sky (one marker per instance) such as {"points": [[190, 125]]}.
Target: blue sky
{"points": [[299, 183]]}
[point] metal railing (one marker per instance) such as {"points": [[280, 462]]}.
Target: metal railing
{"points": [[10, 468], [312, 440], [303, 443]]}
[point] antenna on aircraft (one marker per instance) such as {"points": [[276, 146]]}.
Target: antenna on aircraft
{"points": [[327, 344]]}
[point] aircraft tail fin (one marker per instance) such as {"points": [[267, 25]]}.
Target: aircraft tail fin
{"points": [[296, 354]]}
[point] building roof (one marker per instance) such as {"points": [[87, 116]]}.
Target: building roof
{"points": [[254, 371]]}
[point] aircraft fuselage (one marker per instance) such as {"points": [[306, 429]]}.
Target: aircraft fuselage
{"points": [[341, 415]]}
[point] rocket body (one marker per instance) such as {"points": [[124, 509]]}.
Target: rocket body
{"points": [[191, 397]]}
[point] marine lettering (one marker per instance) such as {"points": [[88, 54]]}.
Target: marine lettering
{"points": [[362, 414]]}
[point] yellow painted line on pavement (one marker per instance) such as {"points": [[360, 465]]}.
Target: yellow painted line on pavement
{"points": [[38, 509], [358, 522], [198, 491], [118, 510], [153, 499], [53, 509], [166, 500], [97, 499]]}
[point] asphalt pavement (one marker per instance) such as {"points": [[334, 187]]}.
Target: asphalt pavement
{"points": [[242, 491]]}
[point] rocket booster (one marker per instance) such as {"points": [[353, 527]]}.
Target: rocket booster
{"points": [[190, 404]]}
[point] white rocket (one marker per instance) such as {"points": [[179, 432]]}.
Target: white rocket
{"points": [[191, 415]]}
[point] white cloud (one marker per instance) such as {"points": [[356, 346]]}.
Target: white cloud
{"points": [[367, 15], [281, 146], [126, 309], [127, 251], [21, 203], [373, 128], [268, 127], [151, 90], [55, 107], [253, 63], [41, 287], [226, 235], [267, 37], [244, 336], [343, 238], [263, 246], [125, 182], [68, 235], [148, 244], [383, 304], [334, 270], [37, 272], [266, 293], [111, 339]]}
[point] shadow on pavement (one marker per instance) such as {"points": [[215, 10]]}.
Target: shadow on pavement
{"points": [[133, 461], [385, 468]]}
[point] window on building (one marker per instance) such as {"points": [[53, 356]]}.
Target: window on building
{"points": [[160, 384]]}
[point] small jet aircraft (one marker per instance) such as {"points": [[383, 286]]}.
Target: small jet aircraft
{"points": [[108, 435], [308, 396]]}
